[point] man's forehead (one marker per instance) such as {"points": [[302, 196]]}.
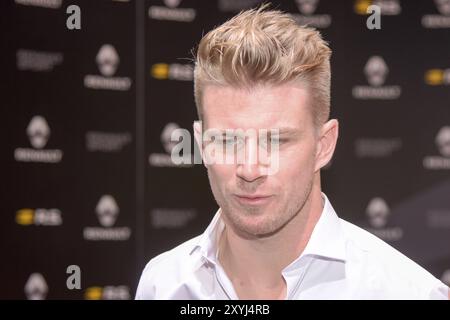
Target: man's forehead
{"points": [[286, 124], [270, 93], [273, 130], [264, 107]]}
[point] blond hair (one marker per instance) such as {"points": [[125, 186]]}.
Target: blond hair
{"points": [[260, 46]]}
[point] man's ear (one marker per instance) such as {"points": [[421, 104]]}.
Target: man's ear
{"points": [[328, 136], [198, 136]]}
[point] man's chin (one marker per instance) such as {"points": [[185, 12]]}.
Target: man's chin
{"points": [[254, 225]]}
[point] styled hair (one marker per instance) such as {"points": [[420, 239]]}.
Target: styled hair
{"points": [[265, 47]]}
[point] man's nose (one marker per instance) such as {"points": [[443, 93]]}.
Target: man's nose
{"points": [[249, 168]]}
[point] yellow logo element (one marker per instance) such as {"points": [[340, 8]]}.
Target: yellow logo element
{"points": [[25, 217], [93, 293], [361, 6], [434, 77], [160, 71]]}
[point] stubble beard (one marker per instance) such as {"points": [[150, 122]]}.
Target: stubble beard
{"points": [[237, 216]]}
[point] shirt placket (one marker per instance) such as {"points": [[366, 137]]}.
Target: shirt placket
{"points": [[225, 282], [295, 276]]}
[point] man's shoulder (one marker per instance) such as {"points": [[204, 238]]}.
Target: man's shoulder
{"points": [[171, 258], [387, 266], [379, 251], [167, 270]]}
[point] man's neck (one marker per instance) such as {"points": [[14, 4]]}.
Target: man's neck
{"points": [[256, 264]]}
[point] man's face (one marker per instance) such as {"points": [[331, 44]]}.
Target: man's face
{"points": [[253, 202]]}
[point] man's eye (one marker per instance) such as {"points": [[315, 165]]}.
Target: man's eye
{"points": [[225, 140], [230, 141], [272, 141]]}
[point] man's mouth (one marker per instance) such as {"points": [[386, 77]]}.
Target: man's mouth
{"points": [[253, 199]]}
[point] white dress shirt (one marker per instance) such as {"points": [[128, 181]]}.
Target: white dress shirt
{"points": [[340, 261]]}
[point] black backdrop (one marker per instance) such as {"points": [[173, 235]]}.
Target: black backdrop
{"points": [[86, 116]]}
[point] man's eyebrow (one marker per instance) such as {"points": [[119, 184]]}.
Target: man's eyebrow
{"points": [[285, 131]]}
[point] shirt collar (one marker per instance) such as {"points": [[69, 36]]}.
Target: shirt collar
{"points": [[207, 244], [327, 239]]}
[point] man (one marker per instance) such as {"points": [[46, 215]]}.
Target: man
{"points": [[276, 235]]}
